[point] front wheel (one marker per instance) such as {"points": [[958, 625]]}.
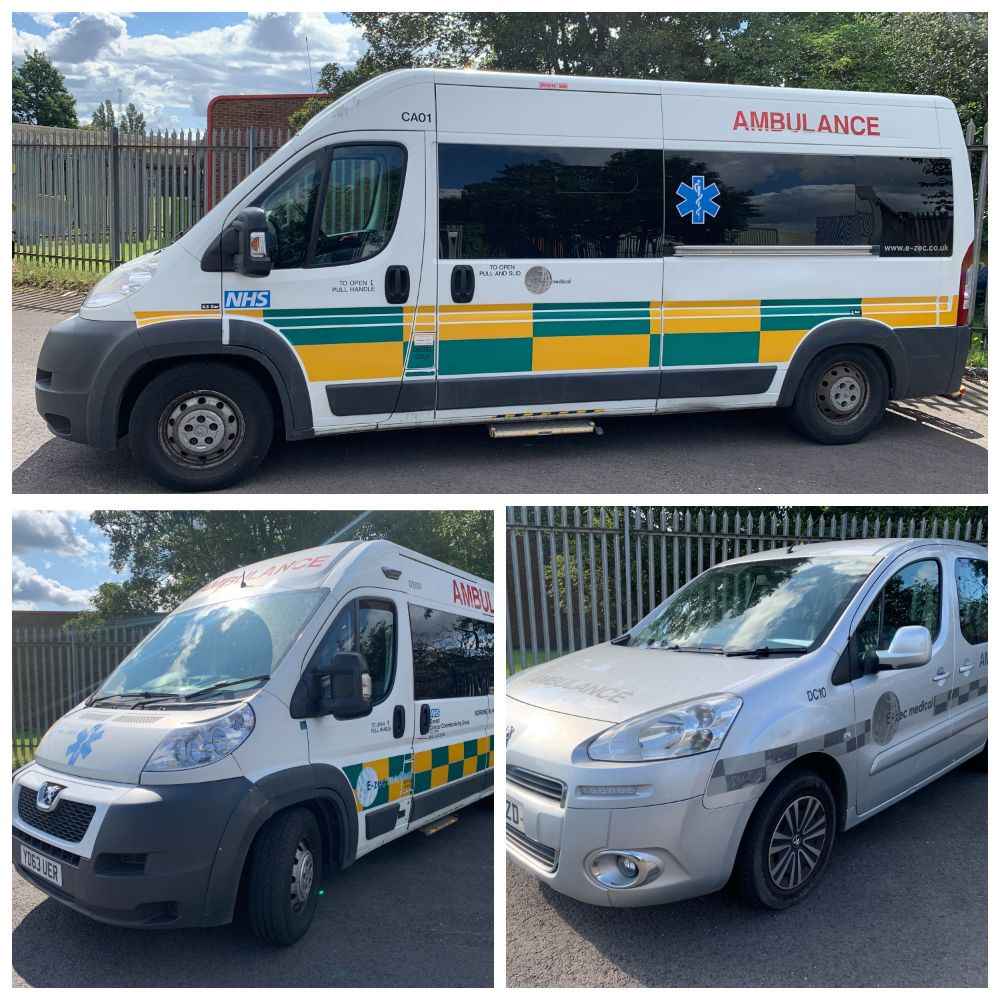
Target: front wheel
{"points": [[201, 426], [283, 877], [842, 395], [788, 841]]}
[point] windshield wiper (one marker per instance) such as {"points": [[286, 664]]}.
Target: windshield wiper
{"points": [[674, 647], [765, 651], [139, 696], [224, 684]]}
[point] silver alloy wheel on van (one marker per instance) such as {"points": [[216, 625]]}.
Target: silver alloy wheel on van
{"points": [[303, 871], [842, 391], [199, 430], [797, 842]]}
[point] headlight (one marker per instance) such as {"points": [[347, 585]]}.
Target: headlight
{"points": [[205, 743], [123, 281], [675, 731]]}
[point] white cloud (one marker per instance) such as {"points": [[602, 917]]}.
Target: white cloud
{"points": [[51, 531], [45, 20], [171, 79], [30, 589]]}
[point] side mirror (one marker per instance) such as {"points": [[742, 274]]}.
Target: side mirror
{"points": [[251, 258], [910, 647], [341, 686]]}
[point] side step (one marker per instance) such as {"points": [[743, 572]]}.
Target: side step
{"points": [[544, 428]]}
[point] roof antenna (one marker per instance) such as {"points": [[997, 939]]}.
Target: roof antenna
{"points": [[790, 547], [243, 579]]}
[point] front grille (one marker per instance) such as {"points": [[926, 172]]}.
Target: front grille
{"points": [[67, 821], [549, 788], [39, 845], [547, 857]]}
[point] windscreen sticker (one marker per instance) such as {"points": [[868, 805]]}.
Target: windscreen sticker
{"points": [[698, 200]]}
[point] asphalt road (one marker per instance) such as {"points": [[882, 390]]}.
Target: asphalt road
{"points": [[902, 903], [932, 445], [417, 912]]}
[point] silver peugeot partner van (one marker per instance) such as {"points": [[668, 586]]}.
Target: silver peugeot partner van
{"points": [[773, 702]]}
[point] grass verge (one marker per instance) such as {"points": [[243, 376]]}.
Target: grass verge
{"points": [[31, 276]]}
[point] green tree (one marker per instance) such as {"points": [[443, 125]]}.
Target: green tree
{"points": [[39, 94], [104, 116], [133, 121], [171, 554]]}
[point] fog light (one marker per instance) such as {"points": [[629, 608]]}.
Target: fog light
{"points": [[627, 866]]}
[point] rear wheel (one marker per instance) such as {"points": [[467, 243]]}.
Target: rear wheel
{"points": [[842, 395], [788, 841], [201, 426], [283, 877]]}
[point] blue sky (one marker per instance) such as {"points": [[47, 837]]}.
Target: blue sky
{"points": [[59, 560], [172, 65]]}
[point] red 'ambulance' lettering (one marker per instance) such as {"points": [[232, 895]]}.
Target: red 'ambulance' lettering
{"points": [[471, 596]]}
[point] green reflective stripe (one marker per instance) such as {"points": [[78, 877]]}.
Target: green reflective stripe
{"points": [[345, 335], [804, 314], [711, 349], [479, 357], [558, 306], [654, 350], [315, 319], [591, 314], [358, 311]]}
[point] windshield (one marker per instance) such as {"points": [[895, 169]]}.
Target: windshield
{"points": [[779, 605], [230, 647]]}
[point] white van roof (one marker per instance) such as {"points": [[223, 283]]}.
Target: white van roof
{"points": [[383, 561]]}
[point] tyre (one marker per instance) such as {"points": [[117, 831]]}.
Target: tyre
{"points": [[842, 395], [201, 426], [788, 841], [283, 877]]}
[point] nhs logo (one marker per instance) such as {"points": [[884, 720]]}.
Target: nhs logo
{"points": [[247, 300]]}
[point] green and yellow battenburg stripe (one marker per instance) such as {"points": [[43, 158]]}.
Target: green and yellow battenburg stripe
{"points": [[410, 774]]}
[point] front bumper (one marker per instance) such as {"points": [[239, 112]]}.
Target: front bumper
{"points": [[83, 368], [695, 847], [148, 855]]}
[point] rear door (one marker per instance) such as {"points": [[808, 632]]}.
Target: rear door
{"points": [[346, 235], [549, 274], [969, 691], [904, 714], [453, 735]]}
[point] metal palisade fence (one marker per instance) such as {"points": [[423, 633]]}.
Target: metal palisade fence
{"points": [[577, 576], [54, 669], [95, 198]]}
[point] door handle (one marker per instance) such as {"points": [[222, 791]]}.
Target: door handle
{"points": [[941, 675], [463, 283], [397, 284], [398, 721], [966, 667], [425, 719]]}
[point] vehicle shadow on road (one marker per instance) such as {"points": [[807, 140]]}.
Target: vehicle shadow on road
{"points": [[416, 912], [912, 875], [915, 449]]}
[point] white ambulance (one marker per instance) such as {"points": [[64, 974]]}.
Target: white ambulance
{"points": [[770, 704], [443, 247], [287, 719]]}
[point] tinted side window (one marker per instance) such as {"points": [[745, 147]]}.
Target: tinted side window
{"points": [[907, 205], [971, 578], [452, 655], [360, 203], [763, 199], [528, 201], [367, 627], [289, 207], [911, 597]]}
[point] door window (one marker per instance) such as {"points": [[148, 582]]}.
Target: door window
{"points": [[911, 597], [360, 203], [971, 578], [289, 209], [366, 626], [452, 655]]}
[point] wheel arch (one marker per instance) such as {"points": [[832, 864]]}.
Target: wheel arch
{"points": [[825, 766], [848, 332]]}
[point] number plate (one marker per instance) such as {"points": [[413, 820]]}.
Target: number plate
{"points": [[48, 869], [515, 815]]}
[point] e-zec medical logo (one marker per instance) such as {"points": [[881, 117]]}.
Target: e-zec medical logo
{"points": [[247, 300]]}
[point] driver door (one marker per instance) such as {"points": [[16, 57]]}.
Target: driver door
{"points": [[345, 235]]}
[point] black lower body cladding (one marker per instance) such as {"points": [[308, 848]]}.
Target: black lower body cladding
{"points": [[156, 857]]}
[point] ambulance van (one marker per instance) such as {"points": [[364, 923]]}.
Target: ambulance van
{"points": [[445, 247], [289, 718], [772, 703]]}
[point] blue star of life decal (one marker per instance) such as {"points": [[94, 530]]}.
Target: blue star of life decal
{"points": [[696, 200], [80, 747]]}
